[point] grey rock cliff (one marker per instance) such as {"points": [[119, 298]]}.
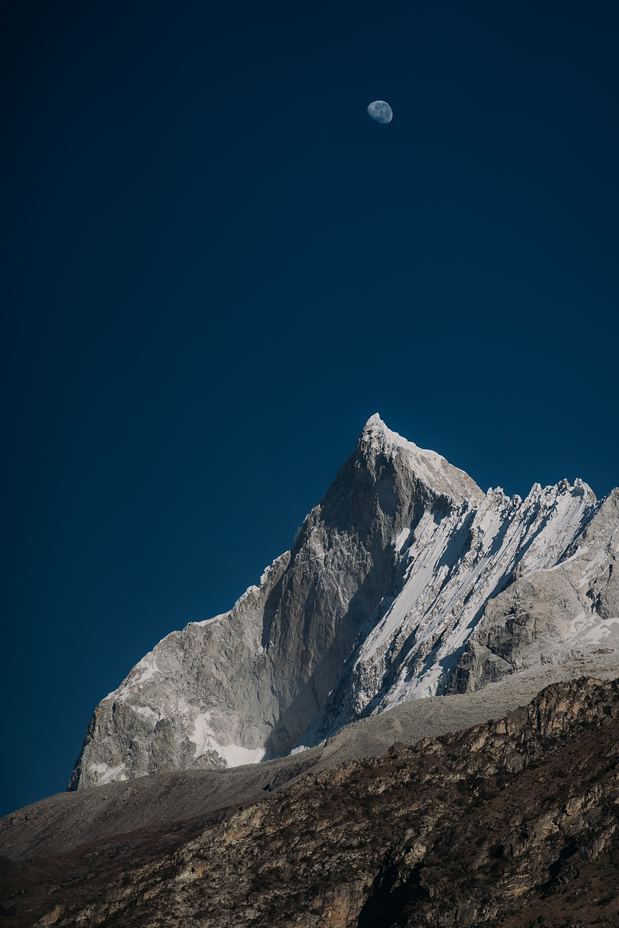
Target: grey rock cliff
{"points": [[247, 684], [552, 614], [405, 581]]}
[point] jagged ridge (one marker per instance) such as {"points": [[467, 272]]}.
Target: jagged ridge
{"points": [[407, 580]]}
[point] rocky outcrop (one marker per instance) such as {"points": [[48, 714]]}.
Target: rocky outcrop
{"points": [[551, 615], [406, 581], [513, 822]]}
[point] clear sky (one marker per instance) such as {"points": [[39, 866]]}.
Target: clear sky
{"points": [[216, 267]]}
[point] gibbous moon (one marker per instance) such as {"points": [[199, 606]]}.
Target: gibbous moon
{"points": [[380, 111]]}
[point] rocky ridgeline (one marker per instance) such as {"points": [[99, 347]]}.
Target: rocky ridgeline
{"points": [[405, 581], [513, 822]]}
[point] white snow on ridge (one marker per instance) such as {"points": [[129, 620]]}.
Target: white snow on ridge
{"points": [[144, 670], [216, 618], [428, 465], [452, 566], [532, 536]]}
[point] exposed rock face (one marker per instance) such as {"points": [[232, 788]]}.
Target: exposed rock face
{"points": [[398, 586], [549, 615], [248, 683], [513, 822]]}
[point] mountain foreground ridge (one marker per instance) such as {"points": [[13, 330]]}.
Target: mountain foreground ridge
{"points": [[405, 582]]}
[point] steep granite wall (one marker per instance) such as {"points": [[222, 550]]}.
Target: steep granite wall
{"points": [[247, 684]]}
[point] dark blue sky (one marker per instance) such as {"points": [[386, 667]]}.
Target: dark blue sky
{"points": [[216, 267]]}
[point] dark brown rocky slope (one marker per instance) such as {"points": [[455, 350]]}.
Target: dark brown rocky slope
{"points": [[512, 822]]}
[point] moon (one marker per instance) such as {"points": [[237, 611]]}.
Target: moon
{"points": [[380, 111]]}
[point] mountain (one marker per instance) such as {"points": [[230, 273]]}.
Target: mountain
{"points": [[406, 581]]}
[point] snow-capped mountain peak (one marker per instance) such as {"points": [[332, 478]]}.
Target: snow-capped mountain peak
{"points": [[405, 581], [376, 440]]}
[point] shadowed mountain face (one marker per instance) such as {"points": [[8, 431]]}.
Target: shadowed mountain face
{"points": [[512, 822], [406, 581]]}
